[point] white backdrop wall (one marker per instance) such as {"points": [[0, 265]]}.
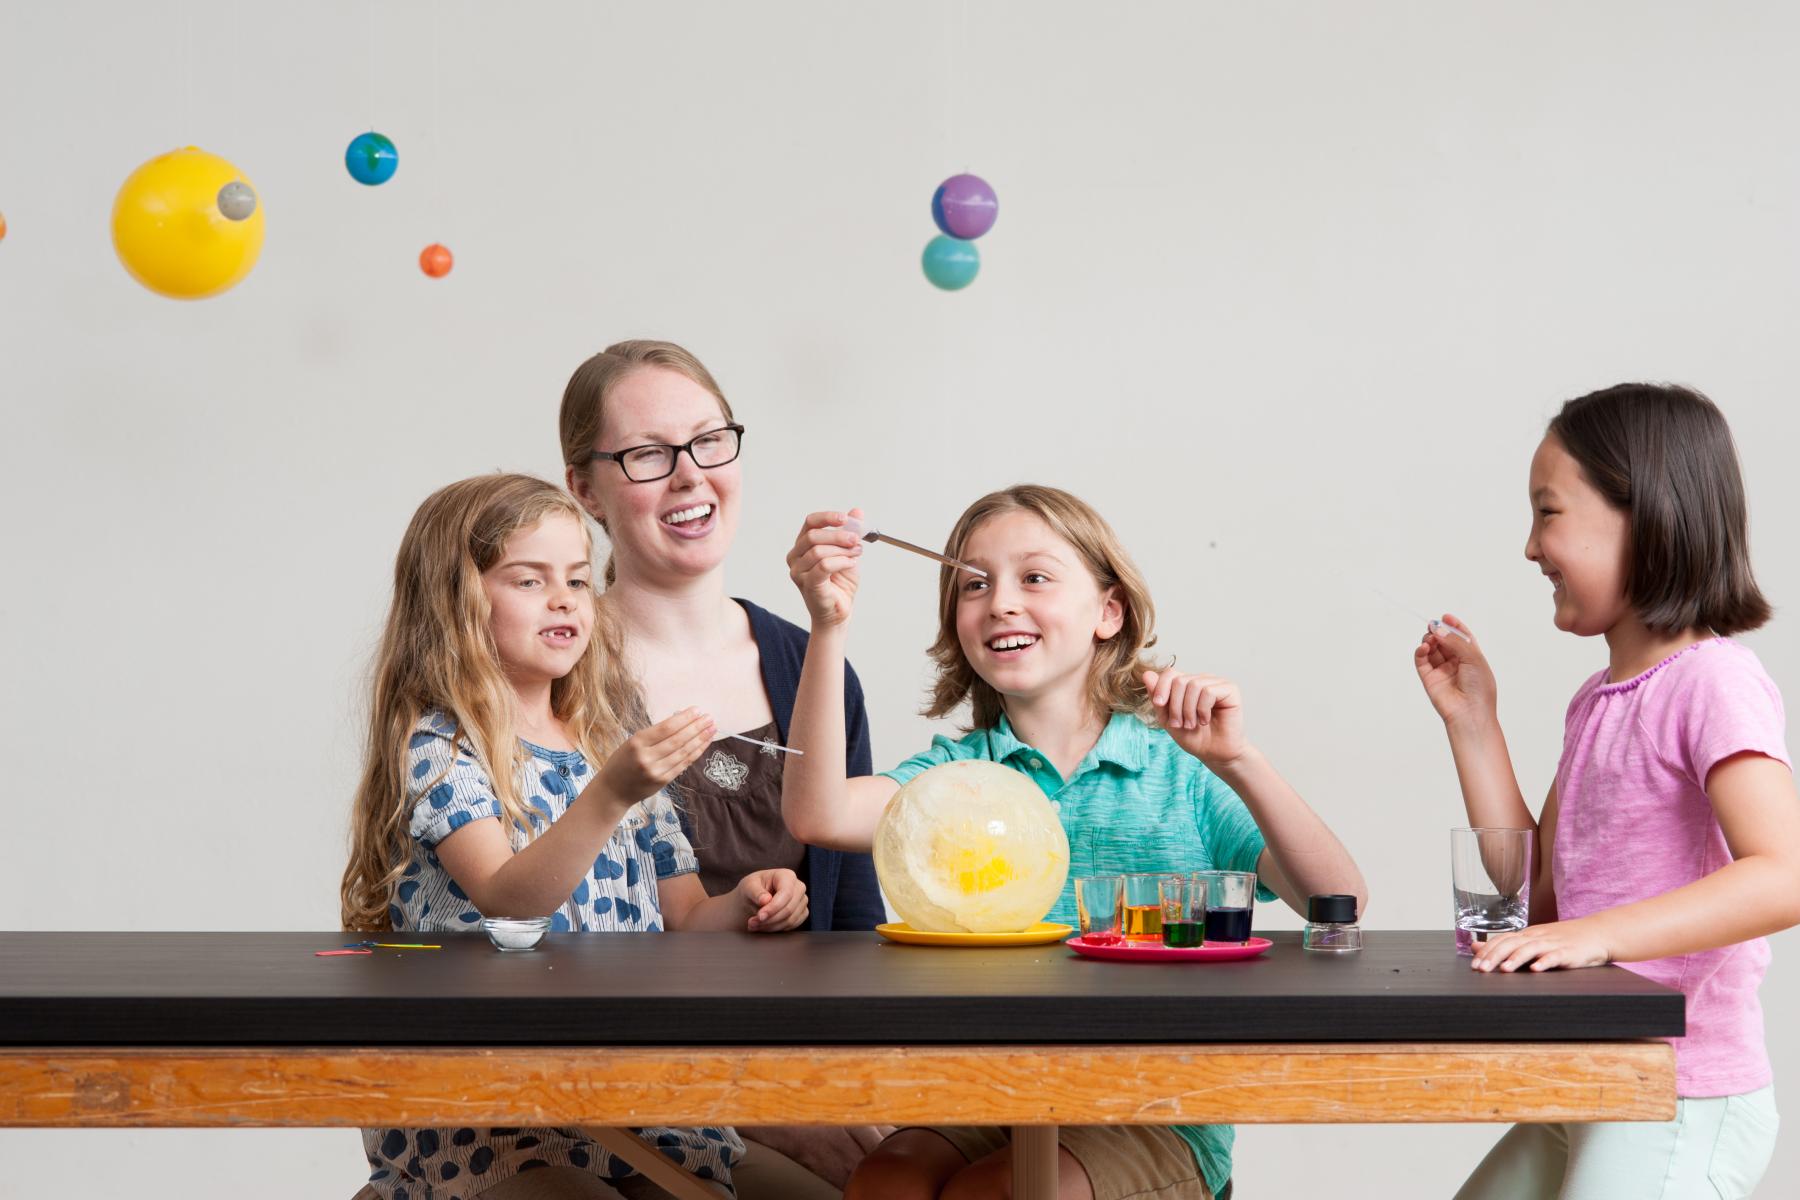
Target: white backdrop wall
{"points": [[1287, 291]]}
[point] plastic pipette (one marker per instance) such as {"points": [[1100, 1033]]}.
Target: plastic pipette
{"points": [[862, 530], [1436, 626], [769, 744]]}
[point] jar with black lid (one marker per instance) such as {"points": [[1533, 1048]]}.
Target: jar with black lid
{"points": [[1331, 924]]}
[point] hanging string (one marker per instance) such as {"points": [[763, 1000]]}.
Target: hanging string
{"points": [[949, 82], [438, 141], [238, 121], [369, 41], [962, 22], [188, 73]]}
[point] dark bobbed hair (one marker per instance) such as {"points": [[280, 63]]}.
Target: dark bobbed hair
{"points": [[1664, 455]]}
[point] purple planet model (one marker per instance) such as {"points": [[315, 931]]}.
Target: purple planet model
{"points": [[964, 206]]}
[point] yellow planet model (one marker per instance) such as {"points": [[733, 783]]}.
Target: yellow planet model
{"points": [[169, 232]]}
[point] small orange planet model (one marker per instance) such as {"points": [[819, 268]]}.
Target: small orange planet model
{"points": [[435, 260]]}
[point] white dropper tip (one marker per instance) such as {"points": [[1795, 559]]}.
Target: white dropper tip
{"points": [[770, 745]]}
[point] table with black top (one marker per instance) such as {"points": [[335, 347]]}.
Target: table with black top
{"points": [[251, 1029]]}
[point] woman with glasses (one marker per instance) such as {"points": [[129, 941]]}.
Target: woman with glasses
{"points": [[651, 450]]}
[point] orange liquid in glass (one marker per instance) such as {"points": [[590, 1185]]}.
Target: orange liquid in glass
{"points": [[1143, 923]]}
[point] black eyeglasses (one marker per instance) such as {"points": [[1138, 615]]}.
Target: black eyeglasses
{"points": [[656, 460]]}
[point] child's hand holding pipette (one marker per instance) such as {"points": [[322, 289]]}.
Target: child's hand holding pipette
{"points": [[1203, 713], [645, 763], [776, 900], [823, 565], [1456, 674]]}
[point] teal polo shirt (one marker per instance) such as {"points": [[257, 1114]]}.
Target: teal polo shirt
{"points": [[1136, 802]]}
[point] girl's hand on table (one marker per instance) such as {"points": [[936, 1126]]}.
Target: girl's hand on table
{"points": [[776, 899], [1576, 943]]}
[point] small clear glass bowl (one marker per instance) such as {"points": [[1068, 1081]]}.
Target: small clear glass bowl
{"points": [[515, 933]]}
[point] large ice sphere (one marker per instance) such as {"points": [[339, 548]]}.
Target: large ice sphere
{"points": [[971, 847]]}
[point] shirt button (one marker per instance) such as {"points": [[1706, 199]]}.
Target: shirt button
{"points": [[1037, 764], [563, 771]]}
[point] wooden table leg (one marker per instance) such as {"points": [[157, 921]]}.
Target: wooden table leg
{"points": [[1034, 1162], [650, 1163]]}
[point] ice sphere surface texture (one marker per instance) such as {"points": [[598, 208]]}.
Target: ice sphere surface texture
{"points": [[971, 847]]}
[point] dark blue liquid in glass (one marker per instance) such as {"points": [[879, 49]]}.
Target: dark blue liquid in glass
{"points": [[1227, 924]]}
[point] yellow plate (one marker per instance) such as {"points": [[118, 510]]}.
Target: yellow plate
{"points": [[1040, 934]]}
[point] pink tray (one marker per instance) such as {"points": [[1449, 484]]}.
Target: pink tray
{"points": [[1157, 952]]}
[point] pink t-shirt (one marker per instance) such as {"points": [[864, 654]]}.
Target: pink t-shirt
{"points": [[1634, 821]]}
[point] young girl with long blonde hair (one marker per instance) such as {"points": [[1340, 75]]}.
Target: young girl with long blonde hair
{"points": [[502, 780], [1150, 769]]}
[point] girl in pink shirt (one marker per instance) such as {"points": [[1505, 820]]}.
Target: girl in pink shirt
{"points": [[1670, 838]]}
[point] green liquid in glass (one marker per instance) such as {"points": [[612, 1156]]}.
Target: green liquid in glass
{"points": [[1183, 935]]}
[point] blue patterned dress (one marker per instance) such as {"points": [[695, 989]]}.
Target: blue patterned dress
{"points": [[447, 789]]}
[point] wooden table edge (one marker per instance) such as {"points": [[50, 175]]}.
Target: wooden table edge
{"points": [[801, 1085]]}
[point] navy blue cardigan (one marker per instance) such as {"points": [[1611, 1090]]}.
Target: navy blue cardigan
{"points": [[840, 887]]}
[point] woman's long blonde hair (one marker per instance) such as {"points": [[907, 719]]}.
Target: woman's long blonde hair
{"points": [[438, 652], [1115, 681], [584, 399]]}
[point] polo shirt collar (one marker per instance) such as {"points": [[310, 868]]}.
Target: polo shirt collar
{"points": [[1124, 743]]}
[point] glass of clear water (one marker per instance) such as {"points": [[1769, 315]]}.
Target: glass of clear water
{"points": [[1490, 883]]}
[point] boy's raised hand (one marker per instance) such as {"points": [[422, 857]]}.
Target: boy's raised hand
{"points": [[776, 898], [822, 565], [1203, 713], [1456, 674], [647, 760]]}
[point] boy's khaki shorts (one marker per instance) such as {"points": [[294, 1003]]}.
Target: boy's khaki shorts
{"points": [[1123, 1162]]}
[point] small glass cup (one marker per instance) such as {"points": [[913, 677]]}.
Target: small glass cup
{"points": [[1142, 910], [1490, 883], [515, 933], [1097, 902], [1183, 911], [1230, 906]]}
